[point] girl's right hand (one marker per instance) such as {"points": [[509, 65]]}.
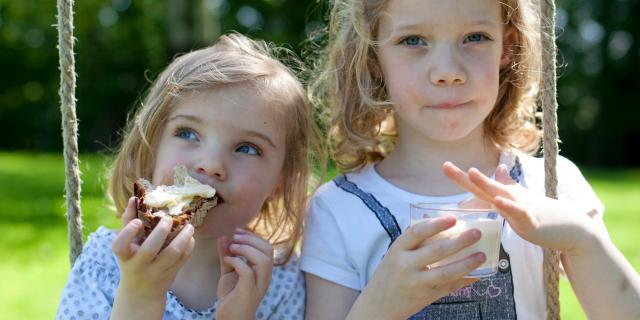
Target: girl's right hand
{"points": [[146, 270], [403, 284]]}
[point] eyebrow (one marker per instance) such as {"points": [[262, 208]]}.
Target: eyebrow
{"points": [[185, 116], [260, 136], [473, 23]]}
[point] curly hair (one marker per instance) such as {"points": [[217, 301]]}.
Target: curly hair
{"points": [[350, 82]]}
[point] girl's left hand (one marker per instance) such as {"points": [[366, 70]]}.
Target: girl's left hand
{"points": [[246, 262], [538, 219]]}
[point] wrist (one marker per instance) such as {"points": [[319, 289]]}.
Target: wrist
{"points": [[371, 304]]}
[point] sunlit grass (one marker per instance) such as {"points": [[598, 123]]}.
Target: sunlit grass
{"points": [[33, 237]]}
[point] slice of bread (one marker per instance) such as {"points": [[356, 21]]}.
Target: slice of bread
{"points": [[186, 201]]}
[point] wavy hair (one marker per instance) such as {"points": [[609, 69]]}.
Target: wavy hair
{"points": [[350, 82]]}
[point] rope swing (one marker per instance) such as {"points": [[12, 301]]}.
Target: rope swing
{"points": [[70, 127], [550, 144], [67, 94]]}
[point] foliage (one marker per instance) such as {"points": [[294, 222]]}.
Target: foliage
{"points": [[122, 44]]}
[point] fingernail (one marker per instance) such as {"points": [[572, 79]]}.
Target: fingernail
{"points": [[189, 228], [234, 246], [136, 223]]}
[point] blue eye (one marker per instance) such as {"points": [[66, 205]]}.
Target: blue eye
{"points": [[412, 41], [248, 149], [476, 37], [186, 134]]}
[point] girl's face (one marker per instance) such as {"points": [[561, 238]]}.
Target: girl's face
{"points": [[228, 138], [441, 62]]}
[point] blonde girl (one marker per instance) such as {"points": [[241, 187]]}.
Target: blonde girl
{"points": [[239, 120], [413, 84]]}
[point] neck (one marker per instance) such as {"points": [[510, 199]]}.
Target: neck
{"points": [[197, 281], [415, 164]]}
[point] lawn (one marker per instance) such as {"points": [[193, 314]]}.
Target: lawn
{"points": [[34, 249]]}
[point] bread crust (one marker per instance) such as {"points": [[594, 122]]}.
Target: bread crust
{"points": [[193, 213]]}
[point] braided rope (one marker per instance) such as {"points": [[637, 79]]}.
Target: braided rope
{"points": [[69, 126], [550, 144]]}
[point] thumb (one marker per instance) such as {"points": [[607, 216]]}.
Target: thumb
{"points": [[131, 211], [502, 175], [223, 251]]}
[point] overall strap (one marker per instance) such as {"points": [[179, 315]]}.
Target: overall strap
{"points": [[386, 219]]}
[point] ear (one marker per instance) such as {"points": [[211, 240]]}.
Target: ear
{"points": [[508, 41]]}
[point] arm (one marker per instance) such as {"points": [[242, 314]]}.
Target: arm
{"points": [[401, 285], [326, 299], [147, 272], [587, 252]]}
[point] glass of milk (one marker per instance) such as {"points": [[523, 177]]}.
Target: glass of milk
{"points": [[488, 221]]}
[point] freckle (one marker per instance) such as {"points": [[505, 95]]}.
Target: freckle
{"points": [[624, 285]]}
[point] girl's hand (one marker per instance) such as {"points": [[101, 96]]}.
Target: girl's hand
{"points": [[246, 262], [146, 271], [403, 283], [538, 219]]}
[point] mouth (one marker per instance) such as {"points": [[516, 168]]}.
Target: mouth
{"points": [[447, 105]]}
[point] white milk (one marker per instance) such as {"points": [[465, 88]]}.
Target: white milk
{"points": [[489, 242]]}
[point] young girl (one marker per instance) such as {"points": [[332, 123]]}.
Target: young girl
{"points": [[413, 84], [239, 120]]}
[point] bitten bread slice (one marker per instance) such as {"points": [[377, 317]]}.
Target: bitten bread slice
{"points": [[186, 201]]}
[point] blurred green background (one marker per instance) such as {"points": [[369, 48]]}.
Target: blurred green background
{"points": [[122, 45]]}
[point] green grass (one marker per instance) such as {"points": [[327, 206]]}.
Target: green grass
{"points": [[33, 237]]}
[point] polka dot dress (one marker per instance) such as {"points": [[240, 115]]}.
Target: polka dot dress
{"points": [[94, 278]]}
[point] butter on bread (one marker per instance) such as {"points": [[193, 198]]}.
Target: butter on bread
{"points": [[186, 201]]}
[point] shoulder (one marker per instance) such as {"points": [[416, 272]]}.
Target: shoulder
{"points": [[92, 282], [97, 250], [572, 185], [343, 185]]}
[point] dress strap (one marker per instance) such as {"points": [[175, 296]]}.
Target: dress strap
{"points": [[386, 219]]}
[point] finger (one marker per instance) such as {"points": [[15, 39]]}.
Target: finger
{"points": [[254, 256], [123, 245], [515, 213], [246, 278], [502, 175], [130, 212], [261, 263], [491, 187], [223, 251], [416, 234], [474, 203], [249, 238], [442, 248], [455, 270], [462, 180], [154, 242], [170, 255], [185, 255]]}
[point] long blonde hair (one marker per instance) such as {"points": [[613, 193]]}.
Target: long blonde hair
{"points": [[349, 80], [234, 59]]}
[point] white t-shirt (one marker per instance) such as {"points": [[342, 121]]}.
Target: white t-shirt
{"points": [[344, 242], [94, 278]]}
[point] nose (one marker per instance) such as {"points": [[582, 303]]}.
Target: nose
{"points": [[445, 68], [212, 165]]}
